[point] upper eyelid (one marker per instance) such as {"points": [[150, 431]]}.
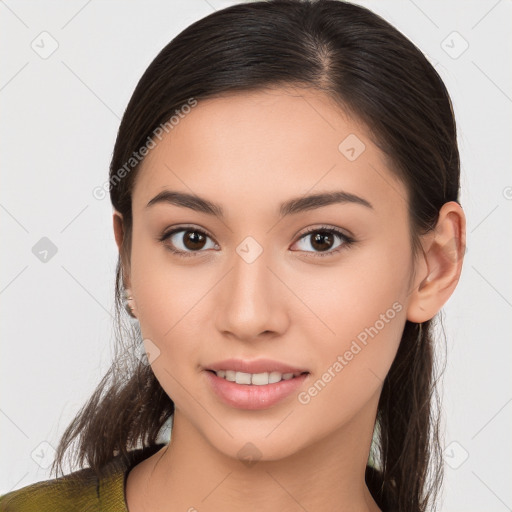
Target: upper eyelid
{"points": [[177, 229], [305, 231]]}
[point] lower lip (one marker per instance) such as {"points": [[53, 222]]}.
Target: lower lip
{"points": [[251, 396]]}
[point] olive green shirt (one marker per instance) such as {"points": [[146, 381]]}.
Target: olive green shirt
{"points": [[79, 491]]}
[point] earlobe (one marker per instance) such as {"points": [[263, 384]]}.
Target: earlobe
{"points": [[441, 264], [129, 303]]}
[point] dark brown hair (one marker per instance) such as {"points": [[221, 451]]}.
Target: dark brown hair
{"points": [[381, 78]]}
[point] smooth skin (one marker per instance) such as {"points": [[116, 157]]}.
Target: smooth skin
{"points": [[249, 152]]}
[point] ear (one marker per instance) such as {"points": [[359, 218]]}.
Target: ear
{"points": [[439, 265], [119, 235]]}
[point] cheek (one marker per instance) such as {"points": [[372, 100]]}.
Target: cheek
{"points": [[352, 361], [163, 291], [363, 316], [170, 308]]}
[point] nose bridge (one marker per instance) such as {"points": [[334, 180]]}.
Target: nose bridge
{"points": [[249, 300]]}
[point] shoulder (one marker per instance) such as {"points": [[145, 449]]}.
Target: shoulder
{"points": [[80, 491], [76, 491]]}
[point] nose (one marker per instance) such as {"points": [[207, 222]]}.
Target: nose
{"points": [[252, 300]]}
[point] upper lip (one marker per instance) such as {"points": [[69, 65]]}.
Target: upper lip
{"points": [[255, 366]]}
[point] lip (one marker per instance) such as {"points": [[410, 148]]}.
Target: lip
{"points": [[250, 396], [255, 366]]}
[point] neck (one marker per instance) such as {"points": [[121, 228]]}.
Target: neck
{"points": [[193, 475]]}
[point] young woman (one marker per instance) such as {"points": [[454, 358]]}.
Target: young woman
{"points": [[285, 187]]}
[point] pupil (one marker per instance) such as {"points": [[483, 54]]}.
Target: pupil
{"points": [[194, 240], [320, 238]]}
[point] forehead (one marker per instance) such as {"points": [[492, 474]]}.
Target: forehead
{"points": [[262, 147]]}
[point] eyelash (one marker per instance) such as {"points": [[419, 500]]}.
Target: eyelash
{"points": [[347, 241]]}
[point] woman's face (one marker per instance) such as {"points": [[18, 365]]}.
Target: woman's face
{"points": [[251, 285]]}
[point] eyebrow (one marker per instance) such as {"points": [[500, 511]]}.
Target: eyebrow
{"points": [[290, 207]]}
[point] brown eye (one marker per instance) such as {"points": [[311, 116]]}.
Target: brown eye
{"points": [[193, 240], [322, 240], [186, 241]]}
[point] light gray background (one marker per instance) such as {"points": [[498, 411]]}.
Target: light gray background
{"points": [[60, 115]]}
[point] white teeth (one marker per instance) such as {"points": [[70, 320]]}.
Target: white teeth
{"points": [[242, 378], [257, 379]]}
